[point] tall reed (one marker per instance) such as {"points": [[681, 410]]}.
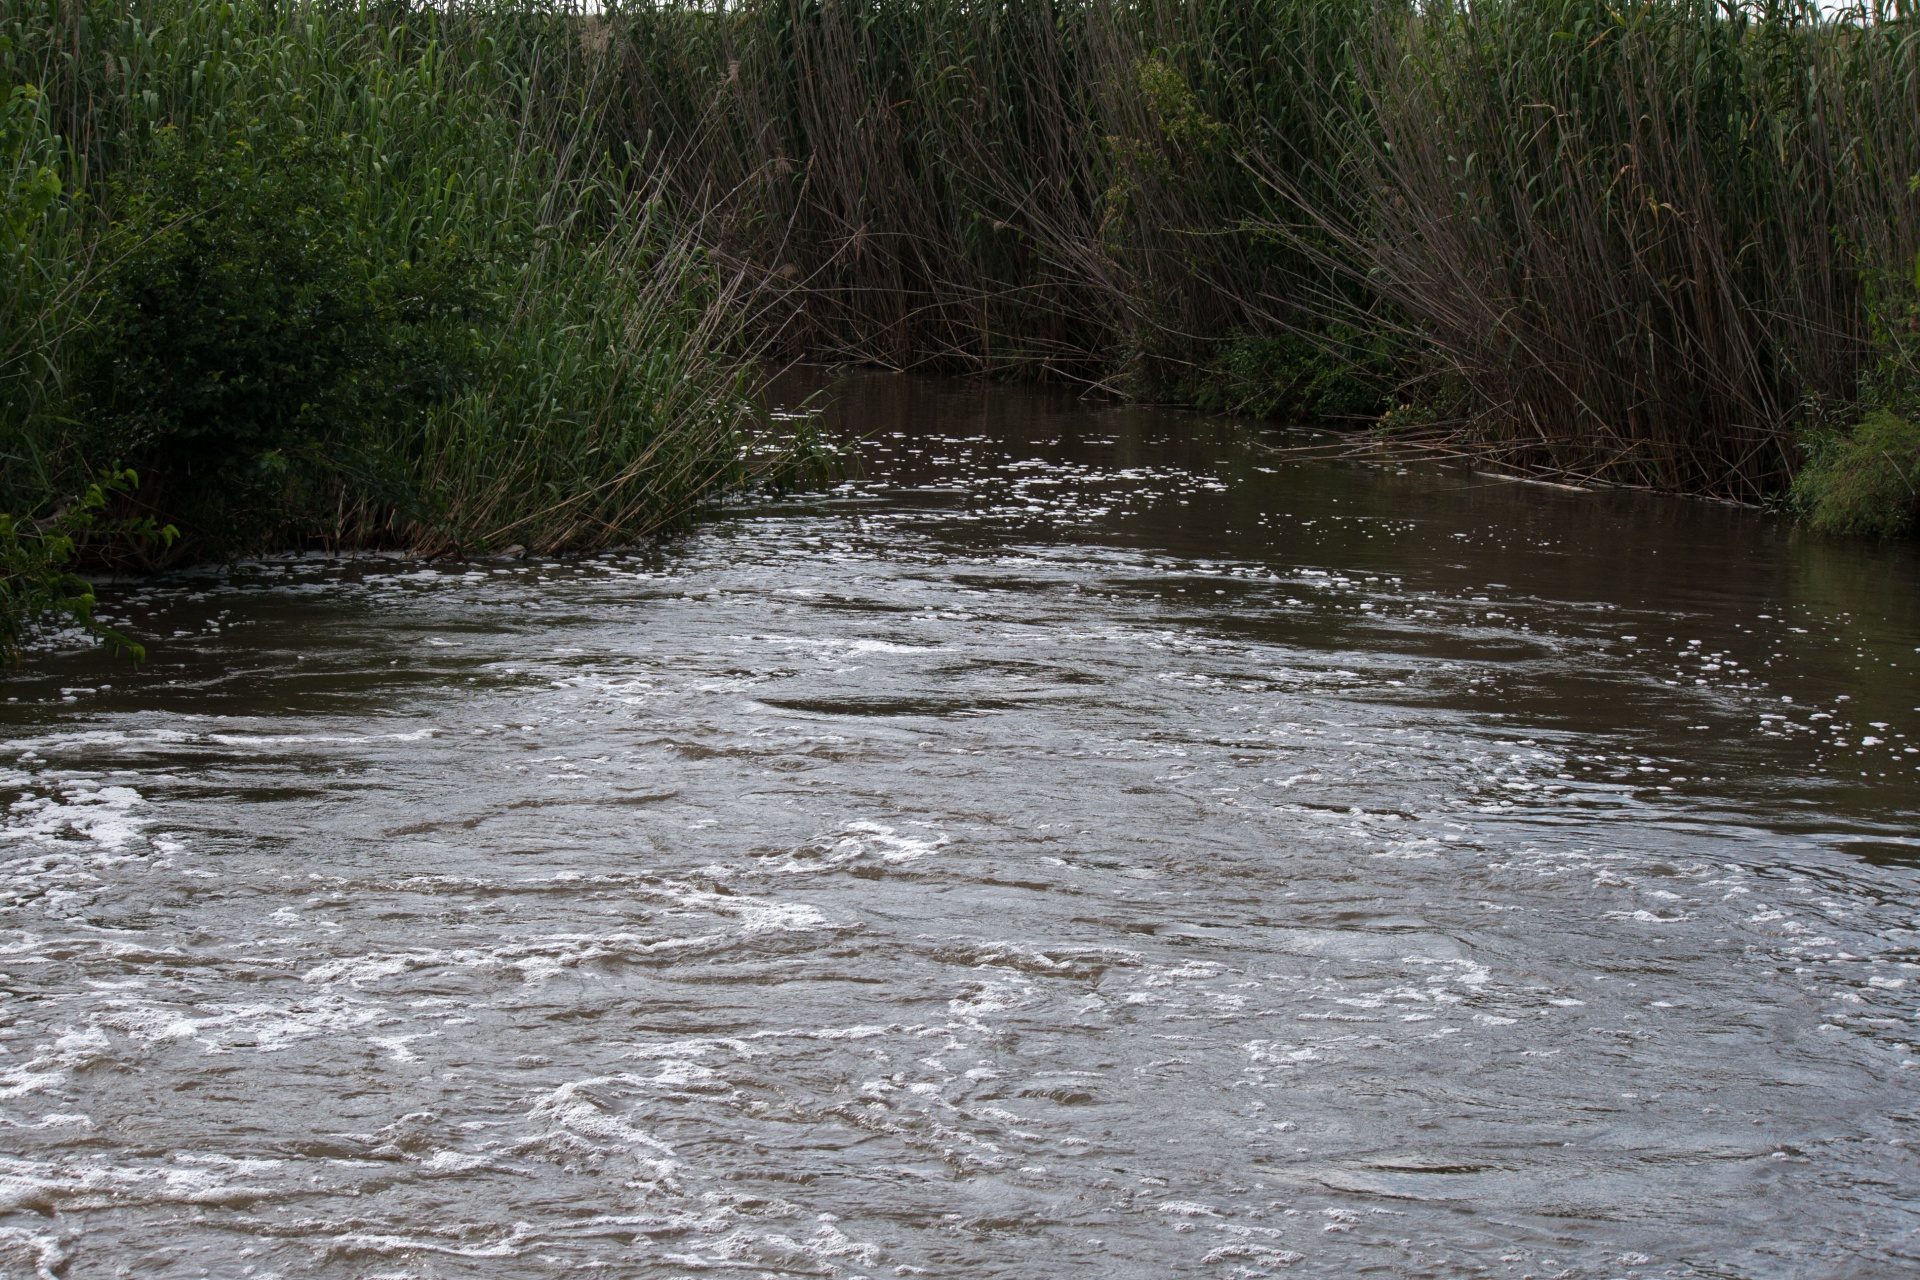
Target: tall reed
{"points": [[1647, 240]]}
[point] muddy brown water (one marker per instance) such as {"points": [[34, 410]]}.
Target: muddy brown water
{"points": [[1088, 843]]}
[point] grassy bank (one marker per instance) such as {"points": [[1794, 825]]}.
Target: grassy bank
{"points": [[340, 276]]}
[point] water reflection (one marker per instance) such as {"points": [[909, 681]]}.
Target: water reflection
{"points": [[1089, 842]]}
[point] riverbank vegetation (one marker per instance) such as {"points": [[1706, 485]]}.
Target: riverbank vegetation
{"points": [[335, 276], [458, 276], [1656, 243]]}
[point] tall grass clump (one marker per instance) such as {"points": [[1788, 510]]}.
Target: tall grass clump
{"points": [[348, 275], [897, 173], [1863, 481], [1020, 187], [1646, 239]]}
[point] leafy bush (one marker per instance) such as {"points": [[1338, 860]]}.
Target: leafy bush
{"points": [[29, 184], [1866, 481], [1892, 379], [244, 339]]}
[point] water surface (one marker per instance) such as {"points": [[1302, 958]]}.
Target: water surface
{"points": [[1089, 843]]}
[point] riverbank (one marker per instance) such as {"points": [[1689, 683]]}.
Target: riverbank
{"points": [[464, 277]]}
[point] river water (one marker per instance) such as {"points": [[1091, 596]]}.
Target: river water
{"points": [[1089, 842]]}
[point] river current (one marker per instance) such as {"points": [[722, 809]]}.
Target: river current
{"points": [[1087, 842]]}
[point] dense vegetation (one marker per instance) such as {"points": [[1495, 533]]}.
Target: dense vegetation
{"points": [[340, 276], [462, 275], [1653, 243]]}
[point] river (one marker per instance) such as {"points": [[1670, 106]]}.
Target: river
{"points": [[1087, 842]]}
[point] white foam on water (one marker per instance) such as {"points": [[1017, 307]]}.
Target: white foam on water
{"points": [[62, 846], [1279, 1054], [1261, 1256], [396, 1046], [456, 1161], [851, 1033], [826, 1251], [352, 1243], [30, 1077], [761, 915], [843, 644], [537, 959], [894, 847], [854, 842], [996, 995], [21, 1247], [52, 1064], [58, 740], [253, 742], [575, 1116], [547, 956], [46, 1186], [1651, 917], [829, 1244], [693, 1048], [102, 815], [261, 1026], [1468, 973]]}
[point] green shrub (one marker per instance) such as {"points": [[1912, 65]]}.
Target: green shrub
{"points": [[1892, 378], [1329, 377], [1866, 481], [243, 337], [345, 275]]}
